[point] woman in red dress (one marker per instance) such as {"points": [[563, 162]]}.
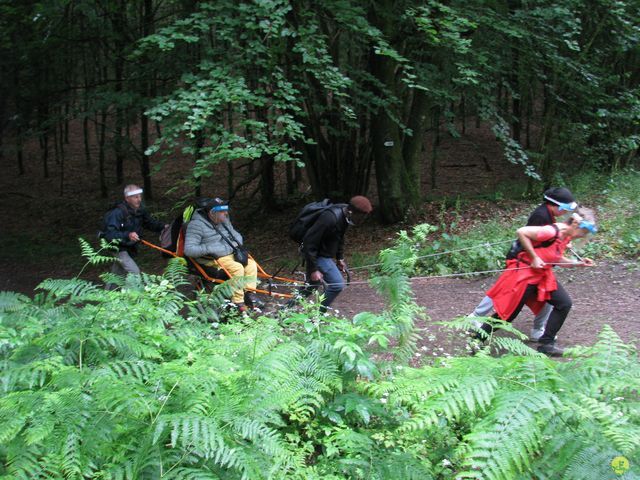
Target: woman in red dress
{"points": [[529, 278]]}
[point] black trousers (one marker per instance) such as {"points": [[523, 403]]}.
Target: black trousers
{"points": [[561, 303]]}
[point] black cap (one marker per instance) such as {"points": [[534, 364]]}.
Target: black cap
{"points": [[559, 195]]}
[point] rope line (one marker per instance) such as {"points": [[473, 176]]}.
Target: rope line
{"points": [[448, 275], [437, 254]]}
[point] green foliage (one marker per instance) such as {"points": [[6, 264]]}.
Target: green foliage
{"points": [[480, 249], [135, 383], [614, 198]]}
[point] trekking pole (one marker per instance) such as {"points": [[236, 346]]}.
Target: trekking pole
{"points": [[576, 255]]}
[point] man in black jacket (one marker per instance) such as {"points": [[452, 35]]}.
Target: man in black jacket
{"points": [[324, 242], [124, 223], [557, 202]]}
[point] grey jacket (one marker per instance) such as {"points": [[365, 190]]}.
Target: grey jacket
{"points": [[202, 239]]}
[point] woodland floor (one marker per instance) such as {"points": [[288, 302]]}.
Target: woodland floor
{"points": [[40, 223]]}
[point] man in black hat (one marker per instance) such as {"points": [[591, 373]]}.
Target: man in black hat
{"points": [[557, 202]]}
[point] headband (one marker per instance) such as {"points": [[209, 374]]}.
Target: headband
{"points": [[220, 208], [568, 207], [133, 192]]}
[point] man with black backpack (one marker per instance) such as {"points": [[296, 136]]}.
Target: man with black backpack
{"points": [[323, 246], [557, 202], [124, 224]]}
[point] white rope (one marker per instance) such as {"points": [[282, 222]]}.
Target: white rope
{"points": [[448, 275], [446, 252]]}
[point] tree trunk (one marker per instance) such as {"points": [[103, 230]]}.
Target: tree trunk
{"points": [[119, 26], [147, 29], [434, 150], [199, 143], [387, 140], [412, 148], [44, 147], [101, 153], [267, 182], [144, 161]]}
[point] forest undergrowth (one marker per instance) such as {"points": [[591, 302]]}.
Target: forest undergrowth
{"points": [[147, 382]]}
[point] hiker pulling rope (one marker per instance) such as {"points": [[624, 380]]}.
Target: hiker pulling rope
{"points": [[537, 286]]}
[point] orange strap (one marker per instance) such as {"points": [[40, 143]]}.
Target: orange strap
{"points": [[203, 273]]}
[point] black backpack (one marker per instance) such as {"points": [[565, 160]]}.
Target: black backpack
{"points": [[105, 218], [516, 246], [308, 215]]}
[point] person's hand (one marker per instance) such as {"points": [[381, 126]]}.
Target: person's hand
{"points": [[133, 236], [537, 263], [342, 265], [316, 276], [587, 262]]}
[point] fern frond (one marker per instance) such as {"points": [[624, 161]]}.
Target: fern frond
{"points": [[12, 302], [201, 433], [514, 347], [184, 473], [75, 290], [176, 271], [138, 369], [503, 444], [94, 257], [616, 428]]}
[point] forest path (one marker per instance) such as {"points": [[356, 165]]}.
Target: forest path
{"points": [[608, 293]]}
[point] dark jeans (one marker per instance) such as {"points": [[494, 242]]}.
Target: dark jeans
{"points": [[332, 278], [561, 303]]}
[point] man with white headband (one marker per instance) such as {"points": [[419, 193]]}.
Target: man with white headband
{"points": [[558, 201], [124, 224]]}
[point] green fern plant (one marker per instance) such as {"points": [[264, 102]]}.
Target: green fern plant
{"points": [[138, 383]]}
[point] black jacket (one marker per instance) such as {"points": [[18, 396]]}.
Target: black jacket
{"points": [[325, 238], [540, 217], [122, 220]]}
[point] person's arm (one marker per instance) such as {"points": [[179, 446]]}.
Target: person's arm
{"points": [[526, 235], [193, 245], [572, 262], [313, 238]]}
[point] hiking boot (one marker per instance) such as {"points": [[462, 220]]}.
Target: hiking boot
{"points": [[536, 334], [252, 301], [551, 349]]}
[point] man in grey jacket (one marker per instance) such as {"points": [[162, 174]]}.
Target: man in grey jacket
{"points": [[211, 240]]}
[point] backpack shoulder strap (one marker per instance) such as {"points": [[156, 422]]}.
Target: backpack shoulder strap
{"points": [[123, 208]]}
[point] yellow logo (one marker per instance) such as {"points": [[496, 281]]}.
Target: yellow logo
{"points": [[620, 465]]}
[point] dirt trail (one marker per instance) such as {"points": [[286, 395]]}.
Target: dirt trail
{"points": [[608, 293]]}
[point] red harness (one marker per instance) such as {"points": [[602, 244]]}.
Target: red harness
{"points": [[508, 290]]}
